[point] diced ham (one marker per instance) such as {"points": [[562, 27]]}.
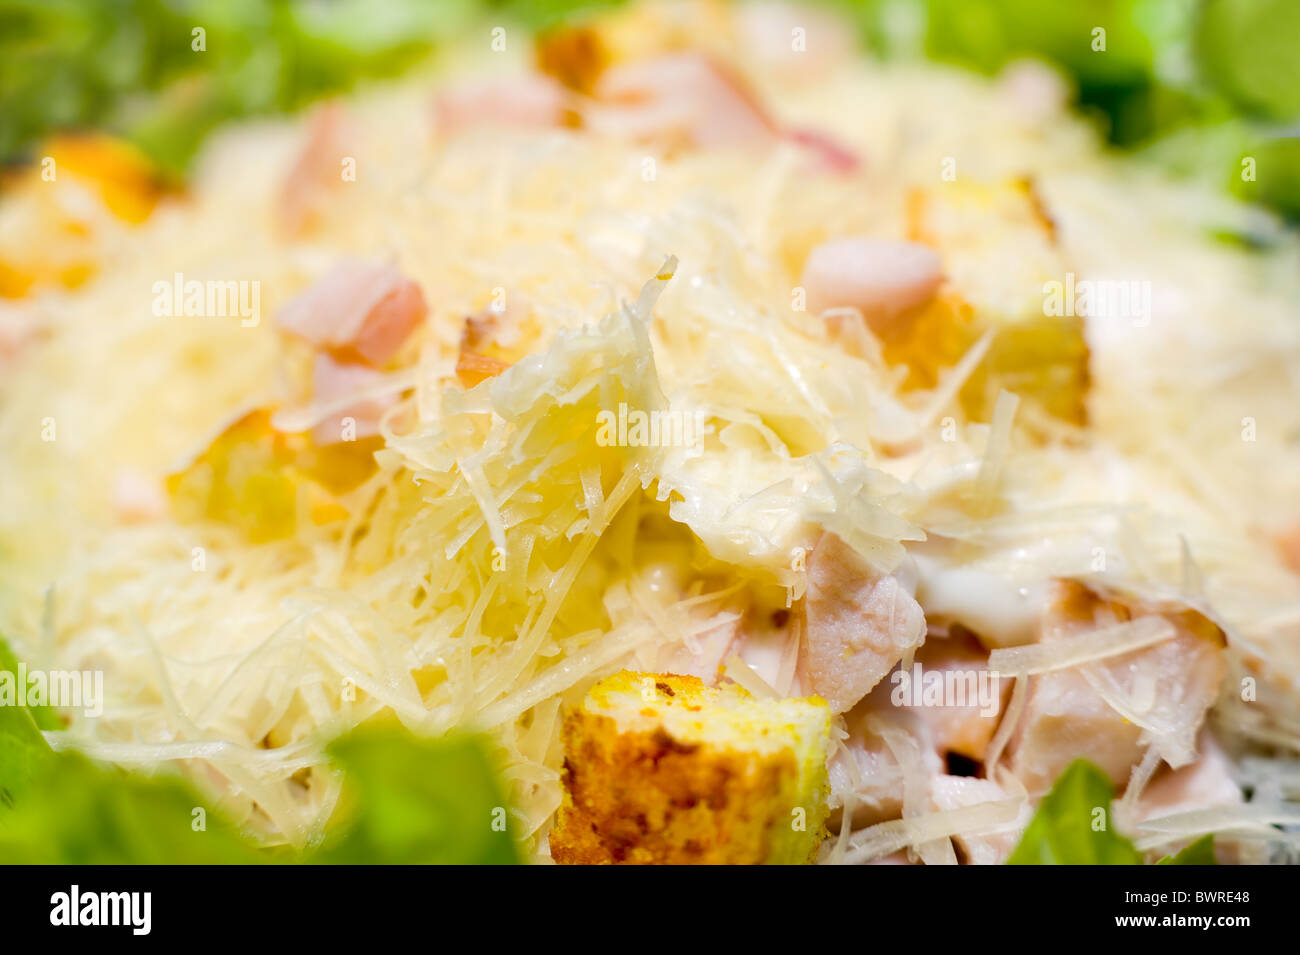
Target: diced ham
{"points": [[16, 333], [1288, 544], [680, 98], [317, 171], [982, 848], [880, 277], [1166, 688], [335, 382], [859, 624], [137, 497], [359, 311], [525, 101]]}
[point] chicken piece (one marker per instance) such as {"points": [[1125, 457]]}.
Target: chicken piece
{"points": [[882, 278], [660, 768], [526, 101], [704, 656], [359, 311], [859, 624], [1065, 719], [982, 848], [999, 252], [866, 766], [317, 172], [1166, 688], [1205, 783], [682, 99], [962, 664]]}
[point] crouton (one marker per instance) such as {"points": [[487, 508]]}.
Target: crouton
{"points": [[999, 250], [662, 769]]}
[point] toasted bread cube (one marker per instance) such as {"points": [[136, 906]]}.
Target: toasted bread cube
{"points": [[999, 251], [664, 769]]}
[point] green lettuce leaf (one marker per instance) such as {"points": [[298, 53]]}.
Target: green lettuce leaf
{"points": [[1073, 824], [44, 716], [419, 802], [409, 800], [1200, 852]]}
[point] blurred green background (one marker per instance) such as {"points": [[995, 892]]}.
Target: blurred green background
{"points": [[1196, 83]]}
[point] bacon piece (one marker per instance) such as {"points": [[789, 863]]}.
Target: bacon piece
{"points": [[335, 381], [358, 311], [880, 277], [316, 172], [527, 101], [831, 155], [1288, 544], [679, 98]]}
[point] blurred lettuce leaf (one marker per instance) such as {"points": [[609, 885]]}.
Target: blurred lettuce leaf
{"points": [[1250, 50], [409, 801], [1073, 824], [1275, 164], [44, 716], [78, 813], [414, 801], [138, 67], [24, 754]]}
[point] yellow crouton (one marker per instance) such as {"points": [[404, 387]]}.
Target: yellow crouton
{"points": [[663, 769], [262, 481], [999, 250]]}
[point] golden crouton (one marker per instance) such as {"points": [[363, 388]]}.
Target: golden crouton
{"points": [[261, 480], [999, 250], [663, 769]]}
